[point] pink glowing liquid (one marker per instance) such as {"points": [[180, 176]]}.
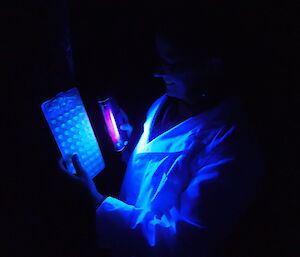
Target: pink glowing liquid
{"points": [[111, 125]]}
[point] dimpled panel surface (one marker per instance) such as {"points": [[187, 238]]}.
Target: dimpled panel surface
{"points": [[73, 132]]}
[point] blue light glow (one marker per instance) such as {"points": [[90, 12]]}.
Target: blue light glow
{"points": [[185, 189], [73, 132]]}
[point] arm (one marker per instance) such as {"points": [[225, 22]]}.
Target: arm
{"points": [[207, 189], [204, 210], [189, 223]]}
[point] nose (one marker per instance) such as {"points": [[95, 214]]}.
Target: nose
{"points": [[157, 75]]}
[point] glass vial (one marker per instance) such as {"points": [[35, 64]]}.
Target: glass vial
{"points": [[113, 120]]}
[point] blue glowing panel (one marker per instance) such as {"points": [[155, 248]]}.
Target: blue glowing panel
{"points": [[73, 132]]}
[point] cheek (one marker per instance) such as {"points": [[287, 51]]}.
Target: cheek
{"points": [[180, 76], [189, 77]]}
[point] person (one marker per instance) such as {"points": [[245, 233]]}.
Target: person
{"points": [[195, 169]]}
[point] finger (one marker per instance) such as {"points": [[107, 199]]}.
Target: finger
{"points": [[62, 166], [80, 171], [124, 116], [126, 127]]}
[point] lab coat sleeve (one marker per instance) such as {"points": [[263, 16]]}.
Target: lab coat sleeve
{"points": [[224, 182], [121, 227], [203, 212]]}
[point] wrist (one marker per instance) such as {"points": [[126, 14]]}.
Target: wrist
{"points": [[97, 200]]}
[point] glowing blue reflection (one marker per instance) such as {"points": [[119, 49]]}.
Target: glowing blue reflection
{"points": [[156, 179], [190, 179], [73, 132]]}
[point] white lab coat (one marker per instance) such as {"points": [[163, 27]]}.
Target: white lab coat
{"points": [[184, 190]]}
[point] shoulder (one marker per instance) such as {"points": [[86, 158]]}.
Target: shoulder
{"points": [[225, 132]]}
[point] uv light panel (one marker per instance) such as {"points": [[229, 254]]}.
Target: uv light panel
{"points": [[72, 130]]}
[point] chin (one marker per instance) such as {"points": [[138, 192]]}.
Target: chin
{"points": [[173, 94], [170, 93], [176, 91]]}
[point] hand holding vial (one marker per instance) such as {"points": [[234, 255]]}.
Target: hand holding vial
{"points": [[125, 124]]}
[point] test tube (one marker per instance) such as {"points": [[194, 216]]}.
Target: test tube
{"points": [[113, 120]]}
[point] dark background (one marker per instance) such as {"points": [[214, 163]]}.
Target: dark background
{"points": [[52, 46]]}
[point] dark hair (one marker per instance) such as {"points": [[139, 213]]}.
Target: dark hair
{"points": [[196, 32]]}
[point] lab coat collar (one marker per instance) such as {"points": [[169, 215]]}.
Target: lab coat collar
{"points": [[179, 137]]}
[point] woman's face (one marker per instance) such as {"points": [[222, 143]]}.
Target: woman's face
{"points": [[185, 77]]}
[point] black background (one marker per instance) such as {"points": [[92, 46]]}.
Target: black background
{"points": [[112, 52]]}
